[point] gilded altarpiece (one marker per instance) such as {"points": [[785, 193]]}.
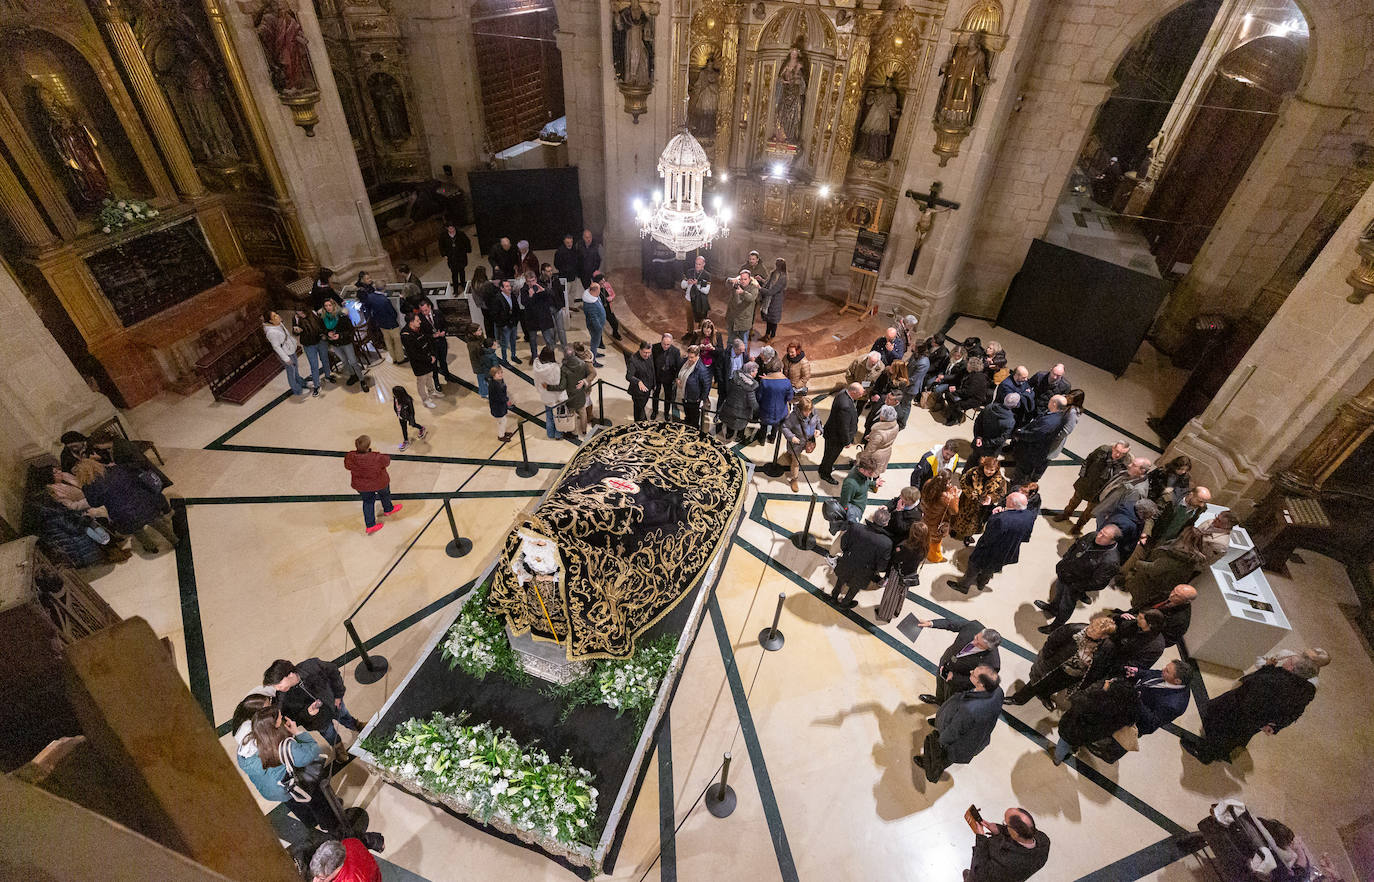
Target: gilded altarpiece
{"points": [[120, 101], [372, 71], [786, 86]]}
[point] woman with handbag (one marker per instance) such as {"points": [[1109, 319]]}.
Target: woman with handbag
{"points": [[904, 572], [286, 765], [797, 369], [1065, 658], [546, 376]]}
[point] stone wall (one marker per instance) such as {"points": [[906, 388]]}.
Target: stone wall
{"points": [[1312, 357], [41, 394]]}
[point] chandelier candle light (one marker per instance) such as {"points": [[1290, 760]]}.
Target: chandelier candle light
{"points": [[677, 218]]}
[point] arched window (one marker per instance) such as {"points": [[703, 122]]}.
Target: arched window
{"points": [[519, 68]]}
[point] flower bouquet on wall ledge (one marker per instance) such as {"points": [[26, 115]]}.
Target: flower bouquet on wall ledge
{"points": [[482, 770], [115, 215]]}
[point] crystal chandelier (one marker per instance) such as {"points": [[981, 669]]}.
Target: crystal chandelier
{"points": [[677, 218]]}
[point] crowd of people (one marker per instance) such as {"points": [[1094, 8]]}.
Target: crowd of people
{"points": [[1151, 531]]}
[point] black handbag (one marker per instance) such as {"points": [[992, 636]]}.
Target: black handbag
{"points": [[303, 782]]}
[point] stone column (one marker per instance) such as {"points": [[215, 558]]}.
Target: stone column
{"points": [[149, 95], [1297, 393], [443, 71], [22, 213], [584, 75], [632, 148], [319, 173], [930, 292], [41, 393]]}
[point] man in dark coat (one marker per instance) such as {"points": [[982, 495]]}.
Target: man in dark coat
{"points": [[1161, 696], [505, 315], [640, 379], [436, 326], [504, 260], [311, 694], [1103, 464], [696, 286], [1018, 381], [993, 427], [588, 258], [973, 645], [1136, 646], [454, 245], [667, 360], [1088, 565], [839, 428], [537, 307], [1047, 384], [865, 551], [1010, 852], [1176, 610], [1000, 544], [1036, 439], [565, 260], [1270, 698], [963, 724]]}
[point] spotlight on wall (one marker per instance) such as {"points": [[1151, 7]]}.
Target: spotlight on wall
{"points": [[779, 169], [716, 203], [724, 177], [825, 190]]}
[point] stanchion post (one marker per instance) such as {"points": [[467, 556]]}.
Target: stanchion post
{"points": [[372, 667], [459, 546], [803, 540], [720, 798], [601, 419], [524, 469], [771, 638], [701, 423], [774, 469]]}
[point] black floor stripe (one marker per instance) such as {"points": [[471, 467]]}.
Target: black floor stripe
{"points": [[197, 669], [667, 819]]}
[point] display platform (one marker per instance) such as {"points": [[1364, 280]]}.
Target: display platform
{"points": [[1236, 616], [613, 567]]}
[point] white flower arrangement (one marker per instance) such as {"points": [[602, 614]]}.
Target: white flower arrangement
{"points": [[477, 641], [632, 684], [118, 215], [499, 777]]}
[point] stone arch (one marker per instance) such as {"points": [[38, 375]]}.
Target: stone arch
{"points": [[1069, 76]]}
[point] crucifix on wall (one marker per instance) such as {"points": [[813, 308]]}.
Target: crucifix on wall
{"points": [[931, 205]]}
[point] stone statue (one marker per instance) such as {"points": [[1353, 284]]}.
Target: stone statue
{"points": [[73, 149], [389, 103], [791, 97], [703, 96], [284, 44], [212, 137], [965, 74], [632, 45], [876, 129]]}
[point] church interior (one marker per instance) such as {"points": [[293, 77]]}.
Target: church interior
{"points": [[1172, 200]]}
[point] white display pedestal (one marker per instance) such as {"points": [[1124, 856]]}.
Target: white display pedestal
{"points": [[1226, 629]]}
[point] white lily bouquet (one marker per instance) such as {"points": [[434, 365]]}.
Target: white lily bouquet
{"points": [[486, 768], [116, 215]]}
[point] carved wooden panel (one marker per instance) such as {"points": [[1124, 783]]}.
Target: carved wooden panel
{"points": [[155, 271]]}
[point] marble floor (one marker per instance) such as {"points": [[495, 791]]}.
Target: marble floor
{"points": [[822, 732]]}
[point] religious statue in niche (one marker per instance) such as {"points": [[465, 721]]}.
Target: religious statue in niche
{"points": [[208, 130], [878, 126], [703, 97], [632, 52], [965, 75], [632, 46], [287, 51], [791, 97], [73, 148], [389, 103]]}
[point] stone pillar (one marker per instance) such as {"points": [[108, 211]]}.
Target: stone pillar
{"points": [[41, 394], [443, 71], [930, 292], [22, 213], [319, 173], [1313, 357], [632, 148], [155, 107], [584, 75]]}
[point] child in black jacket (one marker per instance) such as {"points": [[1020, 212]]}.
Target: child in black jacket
{"points": [[405, 413]]}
